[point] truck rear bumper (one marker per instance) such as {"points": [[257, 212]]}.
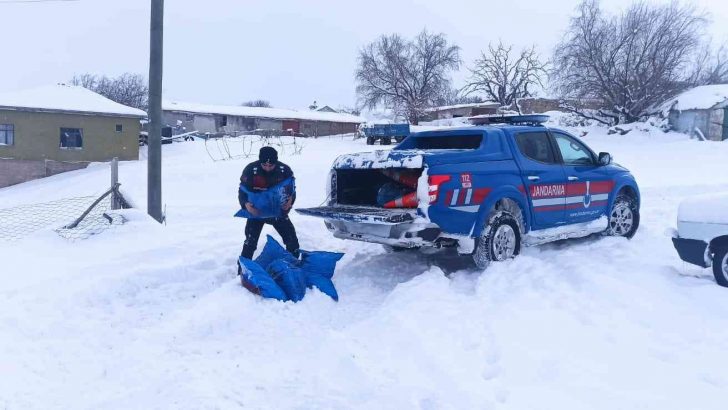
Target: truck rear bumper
{"points": [[406, 235], [394, 227]]}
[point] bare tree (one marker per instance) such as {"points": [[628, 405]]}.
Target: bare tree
{"points": [[128, 89], [504, 76], [407, 76], [348, 110], [710, 67], [257, 103], [455, 96], [628, 62]]}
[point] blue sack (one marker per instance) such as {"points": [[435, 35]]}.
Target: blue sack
{"points": [[258, 281], [320, 262], [290, 278], [270, 201], [322, 283], [273, 251], [318, 268]]}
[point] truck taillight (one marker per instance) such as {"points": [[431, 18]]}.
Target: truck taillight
{"points": [[435, 181]]}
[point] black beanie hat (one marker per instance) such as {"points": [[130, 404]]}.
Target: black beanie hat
{"points": [[268, 154]]}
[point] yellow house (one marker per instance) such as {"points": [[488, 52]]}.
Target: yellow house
{"points": [[67, 123]]}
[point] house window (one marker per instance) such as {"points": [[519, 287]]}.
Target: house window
{"points": [[119, 128], [7, 134], [223, 121], [71, 138]]}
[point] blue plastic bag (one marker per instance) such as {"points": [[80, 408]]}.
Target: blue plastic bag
{"points": [[258, 281], [318, 268], [270, 201], [290, 278], [273, 251], [322, 283], [277, 274], [320, 262]]}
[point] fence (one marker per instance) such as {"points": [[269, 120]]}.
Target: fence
{"points": [[226, 147], [71, 218]]}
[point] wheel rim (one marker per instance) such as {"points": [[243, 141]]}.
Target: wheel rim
{"points": [[724, 265], [504, 243], [621, 219]]}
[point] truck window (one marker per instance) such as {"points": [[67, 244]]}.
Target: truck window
{"points": [[572, 151], [448, 142], [536, 146]]}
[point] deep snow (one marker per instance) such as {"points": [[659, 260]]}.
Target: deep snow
{"points": [[153, 316]]}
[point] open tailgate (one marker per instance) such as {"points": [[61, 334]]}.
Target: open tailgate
{"points": [[363, 214]]}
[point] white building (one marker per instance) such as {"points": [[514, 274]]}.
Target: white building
{"points": [[232, 119]]}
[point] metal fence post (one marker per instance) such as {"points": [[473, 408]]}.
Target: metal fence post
{"points": [[154, 147], [114, 183]]}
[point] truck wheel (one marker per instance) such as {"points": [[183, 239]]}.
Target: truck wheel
{"points": [[624, 217], [720, 266], [370, 140], [385, 141], [500, 240]]}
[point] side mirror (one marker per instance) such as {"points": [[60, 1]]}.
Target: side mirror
{"points": [[605, 158]]}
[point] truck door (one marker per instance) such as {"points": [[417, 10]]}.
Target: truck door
{"points": [[543, 177], [588, 184]]}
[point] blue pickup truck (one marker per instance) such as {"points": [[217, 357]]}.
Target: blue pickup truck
{"points": [[488, 190]]}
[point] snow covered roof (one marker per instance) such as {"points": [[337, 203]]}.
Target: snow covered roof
{"points": [[261, 112], [485, 104], [65, 98], [699, 98]]}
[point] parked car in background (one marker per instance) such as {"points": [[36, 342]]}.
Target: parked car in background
{"points": [[702, 234], [487, 190], [168, 136]]}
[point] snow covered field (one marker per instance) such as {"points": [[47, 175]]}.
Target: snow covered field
{"points": [[150, 316]]}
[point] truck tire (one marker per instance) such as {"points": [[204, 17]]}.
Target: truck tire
{"points": [[399, 139], [624, 217], [720, 265], [370, 140], [385, 140], [500, 240]]}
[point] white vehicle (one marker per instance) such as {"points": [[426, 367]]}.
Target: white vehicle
{"points": [[702, 234]]}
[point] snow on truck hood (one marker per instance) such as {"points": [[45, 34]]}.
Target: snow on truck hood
{"points": [[712, 208]]}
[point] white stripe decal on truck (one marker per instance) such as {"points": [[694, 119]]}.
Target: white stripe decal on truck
{"points": [[455, 196]]}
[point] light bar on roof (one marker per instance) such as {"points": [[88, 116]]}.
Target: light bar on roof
{"points": [[531, 119]]}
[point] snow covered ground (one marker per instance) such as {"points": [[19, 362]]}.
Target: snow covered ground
{"points": [[150, 316]]}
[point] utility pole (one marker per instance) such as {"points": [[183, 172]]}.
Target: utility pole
{"points": [[154, 161]]}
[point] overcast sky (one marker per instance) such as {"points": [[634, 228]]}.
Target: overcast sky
{"points": [[289, 52]]}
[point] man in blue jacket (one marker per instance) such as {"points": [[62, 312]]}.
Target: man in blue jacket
{"points": [[258, 176]]}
